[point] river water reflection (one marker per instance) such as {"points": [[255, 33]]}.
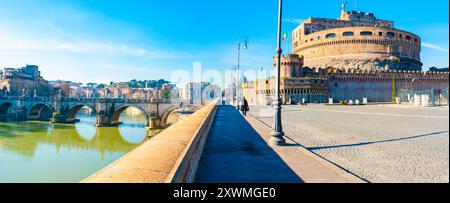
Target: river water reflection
{"points": [[35, 151]]}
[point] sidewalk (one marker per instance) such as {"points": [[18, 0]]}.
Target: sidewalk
{"points": [[307, 165], [237, 152]]}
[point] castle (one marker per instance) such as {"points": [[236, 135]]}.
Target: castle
{"points": [[356, 40], [356, 57]]}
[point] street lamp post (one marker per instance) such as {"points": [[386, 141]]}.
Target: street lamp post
{"points": [[277, 129], [231, 91], [245, 41], [235, 87]]}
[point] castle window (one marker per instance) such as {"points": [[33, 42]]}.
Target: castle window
{"points": [[331, 35], [408, 37], [318, 37], [390, 34], [348, 34], [366, 33], [400, 36], [380, 33]]}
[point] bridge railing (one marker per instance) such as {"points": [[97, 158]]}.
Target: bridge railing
{"points": [[170, 157], [25, 98], [86, 99]]}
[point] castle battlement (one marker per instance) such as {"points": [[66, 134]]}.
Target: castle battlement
{"points": [[291, 67]]}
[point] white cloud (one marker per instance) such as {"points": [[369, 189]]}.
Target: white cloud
{"points": [[296, 21], [8, 42], [435, 47]]}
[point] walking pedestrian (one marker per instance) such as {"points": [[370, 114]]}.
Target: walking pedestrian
{"points": [[245, 107]]}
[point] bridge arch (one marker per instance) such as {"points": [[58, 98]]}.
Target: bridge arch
{"points": [[118, 110], [73, 110], [6, 108], [167, 113], [40, 111]]}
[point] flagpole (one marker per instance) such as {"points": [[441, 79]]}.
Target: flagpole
{"points": [[285, 37], [290, 44]]}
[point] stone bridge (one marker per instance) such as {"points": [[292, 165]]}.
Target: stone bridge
{"points": [[107, 110]]}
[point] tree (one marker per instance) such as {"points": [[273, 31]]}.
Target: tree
{"points": [[394, 88]]}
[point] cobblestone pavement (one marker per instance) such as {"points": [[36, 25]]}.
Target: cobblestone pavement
{"points": [[378, 143]]}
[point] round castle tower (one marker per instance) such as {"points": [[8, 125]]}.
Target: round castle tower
{"points": [[356, 40], [290, 66]]}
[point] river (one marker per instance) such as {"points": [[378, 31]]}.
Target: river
{"points": [[36, 151]]}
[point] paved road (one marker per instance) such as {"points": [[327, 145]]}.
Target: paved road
{"points": [[378, 143], [235, 153]]}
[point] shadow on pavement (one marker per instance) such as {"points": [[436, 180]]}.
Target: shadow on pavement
{"points": [[236, 153], [375, 142]]}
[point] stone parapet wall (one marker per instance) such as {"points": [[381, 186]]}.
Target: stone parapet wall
{"points": [[170, 157], [359, 74]]}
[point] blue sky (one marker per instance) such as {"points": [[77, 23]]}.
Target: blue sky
{"points": [[112, 40]]}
